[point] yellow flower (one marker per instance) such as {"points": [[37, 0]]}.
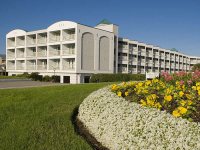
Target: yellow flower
{"points": [[126, 93], [154, 96], [181, 93], [168, 98], [198, 88], [168, 91], [190, 102], [143, 103], [140, 84], [182, 102], [189, 96], [158, 105], [119, 94], [148, 82], [194, 88], [176, 113], [198, 84], [150, 102], [114, 87], [155, 80], [182, 110], [199, 92]]}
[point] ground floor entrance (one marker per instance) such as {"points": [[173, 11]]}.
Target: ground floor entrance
{"points": [[86, 79], [66, 79]]}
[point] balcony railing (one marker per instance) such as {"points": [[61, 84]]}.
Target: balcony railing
{"points": [[21, 55], [42, 53], [68, 67], [54, 67], [68, 52], [69, 37], [54, 39], [31, 41], [10, 55], [54, 53], [31, 67], [41, 67], [42, 40], [19, 67], [123, 69], [123, 58], [20, 43], [11, 67], [33, 54]]}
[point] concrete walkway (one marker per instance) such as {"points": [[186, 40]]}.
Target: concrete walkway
{"points": [[11, 84]]}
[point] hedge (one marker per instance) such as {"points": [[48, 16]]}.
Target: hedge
{"points": [[116, 77]]}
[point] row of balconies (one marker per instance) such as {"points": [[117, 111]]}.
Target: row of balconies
{"points": [[125, 58], [41, 52], [41, 38], [124, 49], [54, 64]]}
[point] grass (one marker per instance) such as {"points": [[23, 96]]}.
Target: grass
{"points": [[40, 118]]}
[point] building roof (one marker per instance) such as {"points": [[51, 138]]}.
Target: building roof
{"points": [[104, 21]]}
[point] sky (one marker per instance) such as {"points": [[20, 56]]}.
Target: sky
{"points": [[165, 23]]}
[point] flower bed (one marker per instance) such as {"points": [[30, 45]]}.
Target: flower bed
{"points": [[177, 94], [121, 124]]}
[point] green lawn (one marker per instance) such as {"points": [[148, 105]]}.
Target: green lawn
{"points": [[40, 118]]}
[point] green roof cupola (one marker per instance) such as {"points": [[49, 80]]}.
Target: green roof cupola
{"points": [[104, 21]]}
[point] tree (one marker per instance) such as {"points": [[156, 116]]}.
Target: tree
{"points": [[196, 67]]}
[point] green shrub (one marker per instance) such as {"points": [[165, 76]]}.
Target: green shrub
{"points": [[116, 77], [25, 75], [35, 76], [47, 78]]}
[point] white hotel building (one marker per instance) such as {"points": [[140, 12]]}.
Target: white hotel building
{"points": [[74, 51]]}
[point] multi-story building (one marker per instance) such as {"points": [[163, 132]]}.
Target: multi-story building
{"points": [[74, 51], [136, 57]]}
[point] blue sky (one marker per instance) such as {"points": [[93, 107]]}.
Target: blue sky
{"points": [[166, 23]]}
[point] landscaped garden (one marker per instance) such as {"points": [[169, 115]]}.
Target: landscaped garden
{"points": [[155, 114], [41, 118]]}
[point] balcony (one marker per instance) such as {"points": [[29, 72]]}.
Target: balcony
{"points": [[42, 38], [42, 64], [54, 50], [143, 53], [31, 39], [54, 36], [31, 52], [10, 65], [11, 42], [68, 49], [54, 64], [123, 46], [149, 54], [68, 34], [42, 51], [122, 58], [123, 69], [20, 41], [20, 65], [68, 64], [20, 53], [10, 53], [31, 65]]}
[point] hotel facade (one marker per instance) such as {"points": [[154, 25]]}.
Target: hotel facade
{"points": [[74, 52]]}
